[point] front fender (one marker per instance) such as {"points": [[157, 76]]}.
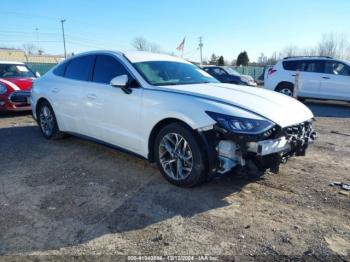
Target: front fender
{"points": [[159, 105]]}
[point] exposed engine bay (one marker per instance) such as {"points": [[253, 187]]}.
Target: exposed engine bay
{"points": [[265, 151]]}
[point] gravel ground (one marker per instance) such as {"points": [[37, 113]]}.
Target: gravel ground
{"points": [[75, 198]]}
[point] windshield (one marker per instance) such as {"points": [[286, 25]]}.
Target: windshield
{"points": [[15, 71], [172, 73], [232, 71]]}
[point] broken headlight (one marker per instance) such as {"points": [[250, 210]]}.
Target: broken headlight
{"points": [[241, 125]]}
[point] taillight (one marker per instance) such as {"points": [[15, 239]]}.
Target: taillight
{"points": [[271, 71]]}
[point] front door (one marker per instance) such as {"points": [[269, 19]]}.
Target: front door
{"points": [[336, 81], [111, 114]]}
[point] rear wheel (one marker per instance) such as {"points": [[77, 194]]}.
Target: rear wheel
{"points": [[47, 121], [286, 89], [180, 156]]}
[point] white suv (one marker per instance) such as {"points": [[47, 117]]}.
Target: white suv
{"points": [[319, 78], [168, 110]]}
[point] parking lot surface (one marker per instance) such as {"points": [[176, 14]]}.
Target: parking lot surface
{"points": [[75, 197]]}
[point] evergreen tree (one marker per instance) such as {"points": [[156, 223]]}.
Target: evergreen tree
{"points": [[213, 59], [220, 61], [242, 59]]}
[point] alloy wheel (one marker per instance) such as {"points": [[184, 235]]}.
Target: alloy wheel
{"points": [[175, 156], [46, 120], [286, 91]]}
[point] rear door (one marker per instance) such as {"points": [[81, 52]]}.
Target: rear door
{"points": [[310, 78], [66, 93], [336, 81]]}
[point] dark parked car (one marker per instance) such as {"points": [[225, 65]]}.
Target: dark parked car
{"points": [[227, 74]]}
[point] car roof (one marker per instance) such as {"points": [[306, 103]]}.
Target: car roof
{"points": [[136, 56], [301, 58], [139, 56], [11, 63]]}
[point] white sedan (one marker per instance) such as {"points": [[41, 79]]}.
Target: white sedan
{"points": [[168, 110]]}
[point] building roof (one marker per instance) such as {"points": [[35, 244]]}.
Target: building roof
{"points": [[11, 62], [21, 56]]}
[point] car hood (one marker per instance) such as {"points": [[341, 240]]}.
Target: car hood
{"points": [[18, 83], [281, 109]]}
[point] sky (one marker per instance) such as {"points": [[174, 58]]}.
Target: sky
{"points": [[227, 26]]}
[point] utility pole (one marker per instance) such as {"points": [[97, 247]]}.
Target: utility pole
{"points": [[64, 38], [200, 48], [37, 36]]}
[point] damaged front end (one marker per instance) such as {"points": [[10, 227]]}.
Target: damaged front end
{"points": [[237, 142]]}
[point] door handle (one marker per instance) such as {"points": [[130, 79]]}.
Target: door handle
{"points": [[91, 96], [55, 90], [326, 77]]}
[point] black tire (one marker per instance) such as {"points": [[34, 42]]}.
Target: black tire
{"points": [[199, 169], [55, 133], [285, 88]]}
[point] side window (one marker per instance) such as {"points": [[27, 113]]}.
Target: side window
{"points": [[59, 70], [219, 71], [314, 67], [292, 65], [79, 68], [336, 68], [106, 68]]}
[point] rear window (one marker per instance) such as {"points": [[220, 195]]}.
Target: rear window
{"points": [[314, 67], [59, 70], [79, 68]]}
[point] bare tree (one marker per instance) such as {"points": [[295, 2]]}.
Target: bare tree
{"points": [[41, 51], [140, 44], [328, 45], [343, 46], [309, 51], [154, 48], [291, 50], [30, 48], [331, 44]]}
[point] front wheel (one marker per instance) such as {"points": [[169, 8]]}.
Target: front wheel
{"points": [[180, 156]]}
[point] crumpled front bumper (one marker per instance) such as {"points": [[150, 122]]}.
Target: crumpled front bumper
{"points": [[295, 139], [264, 153]]}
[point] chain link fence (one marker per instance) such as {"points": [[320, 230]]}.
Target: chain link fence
{"points": [[42, 68], [257, 72]]}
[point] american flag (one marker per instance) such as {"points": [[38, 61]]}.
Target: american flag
{"points": [[181, 45]]}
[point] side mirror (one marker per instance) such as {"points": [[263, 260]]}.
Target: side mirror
{"points": [[37, 74], [120, 81]]}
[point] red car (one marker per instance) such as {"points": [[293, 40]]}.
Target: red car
{"points": [[16, 80]]}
